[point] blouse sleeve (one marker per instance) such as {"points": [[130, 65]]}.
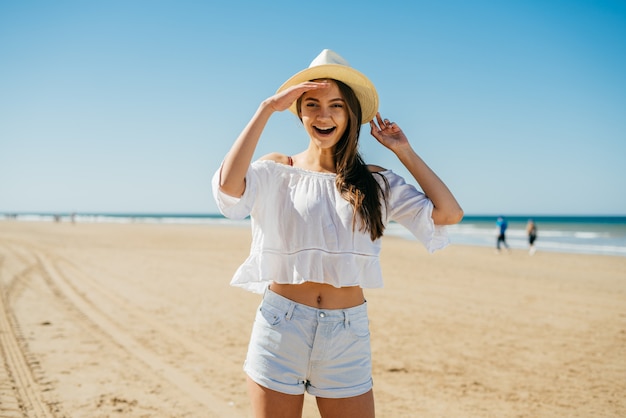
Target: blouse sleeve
{"points": [[413, 210], [235, 207]]}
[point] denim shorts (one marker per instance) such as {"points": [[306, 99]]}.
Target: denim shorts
{"points": [[296, 348]]}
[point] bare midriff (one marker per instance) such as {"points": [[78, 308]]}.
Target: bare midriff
{"points": [[319, 295]]}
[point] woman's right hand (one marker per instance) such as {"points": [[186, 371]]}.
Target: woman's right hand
{"points": [[283, 100]]}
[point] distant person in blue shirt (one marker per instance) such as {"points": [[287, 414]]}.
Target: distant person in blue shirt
{"points": [[502, 224]]}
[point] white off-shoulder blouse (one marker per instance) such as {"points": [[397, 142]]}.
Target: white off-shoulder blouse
{"points": [[302, 227]]}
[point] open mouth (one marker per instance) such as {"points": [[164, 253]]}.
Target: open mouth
{"points": [[324, 132]]}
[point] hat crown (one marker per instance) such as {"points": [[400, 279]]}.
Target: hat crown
{"points": [[328, 57]]}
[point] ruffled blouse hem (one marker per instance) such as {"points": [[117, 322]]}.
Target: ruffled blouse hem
{"points": [[338, 270]]}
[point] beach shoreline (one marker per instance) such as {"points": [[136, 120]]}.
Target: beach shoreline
{"points": [[602, 235], [138, 320]]}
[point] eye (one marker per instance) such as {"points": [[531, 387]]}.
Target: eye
{"points": [[338, 105], [310, 104]]}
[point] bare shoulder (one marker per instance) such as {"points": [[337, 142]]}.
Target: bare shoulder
{"points": [[375, 168], [277, 157]]}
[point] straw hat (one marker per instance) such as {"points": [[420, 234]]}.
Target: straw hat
{"points": [[329, 64]]}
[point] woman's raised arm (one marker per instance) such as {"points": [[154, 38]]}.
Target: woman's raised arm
{"points": [[238, 159], [447, 210]]}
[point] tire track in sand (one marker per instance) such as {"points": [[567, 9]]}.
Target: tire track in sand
{"points": [[76, 296], [20, 392]]}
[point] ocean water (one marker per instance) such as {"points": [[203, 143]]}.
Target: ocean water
{"points": [[568, 234], [604, 235]]}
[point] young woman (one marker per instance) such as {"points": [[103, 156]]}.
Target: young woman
{"points": [[317, 220]]}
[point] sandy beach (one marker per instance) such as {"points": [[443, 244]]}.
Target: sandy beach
{"points": [[138, 320]]}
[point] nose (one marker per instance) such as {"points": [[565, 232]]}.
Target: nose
{"points": [[324, 113]]}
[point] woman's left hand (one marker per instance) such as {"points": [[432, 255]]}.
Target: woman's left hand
{"points": [[388, 133]]}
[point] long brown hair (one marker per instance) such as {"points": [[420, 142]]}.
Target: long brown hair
{"points": [[354, 181]]}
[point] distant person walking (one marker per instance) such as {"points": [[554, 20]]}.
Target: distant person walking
{"points": [[531, 230], [501, 224]]}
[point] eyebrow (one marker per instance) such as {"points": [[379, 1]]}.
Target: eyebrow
{"points": [[313, 99]]}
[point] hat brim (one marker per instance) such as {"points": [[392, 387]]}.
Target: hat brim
{"points": [[360, 84]]}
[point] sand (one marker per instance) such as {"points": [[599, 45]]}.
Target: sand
{"points": [[138, 320]]}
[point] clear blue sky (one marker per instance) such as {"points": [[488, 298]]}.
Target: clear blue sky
{"points": [[129, 106]]}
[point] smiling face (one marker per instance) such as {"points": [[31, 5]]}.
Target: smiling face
{"points": [[324, 115]]}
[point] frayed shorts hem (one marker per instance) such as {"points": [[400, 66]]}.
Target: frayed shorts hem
{"points": [[300, 389]]}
